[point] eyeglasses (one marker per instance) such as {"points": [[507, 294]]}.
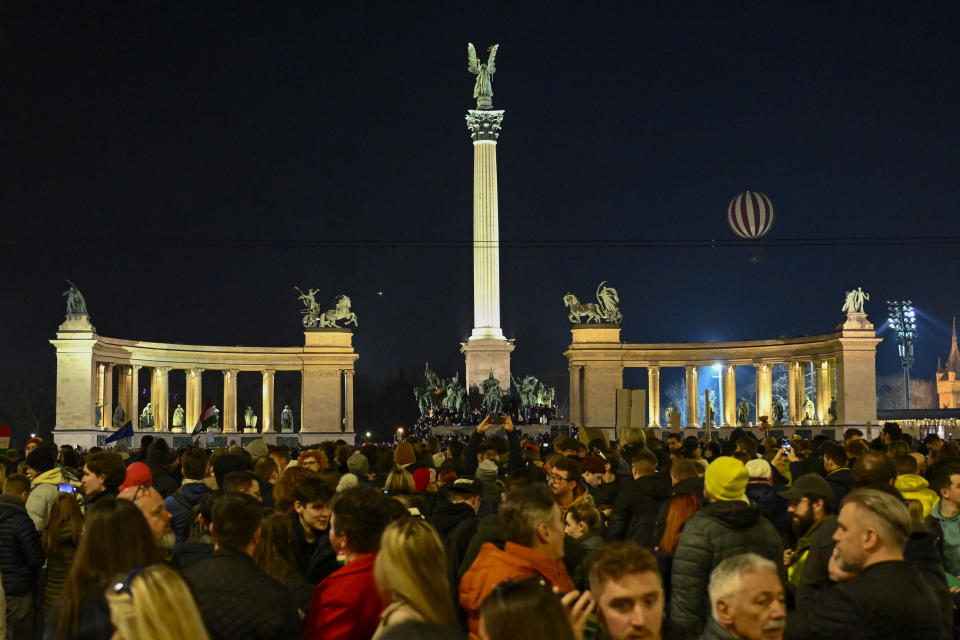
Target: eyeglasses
{"points": [[556, 477], [123, 586], [145, 488]]}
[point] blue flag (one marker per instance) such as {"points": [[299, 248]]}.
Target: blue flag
{"points": [[126, 431]]}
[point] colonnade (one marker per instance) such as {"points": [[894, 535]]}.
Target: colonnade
{"points": [[88, 363]]}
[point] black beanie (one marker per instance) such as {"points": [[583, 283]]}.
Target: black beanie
{"points": [[41, 459]]}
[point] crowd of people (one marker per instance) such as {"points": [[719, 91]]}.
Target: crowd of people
{"points": [[495, 538]]}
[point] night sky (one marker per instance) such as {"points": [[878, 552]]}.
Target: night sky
{"points": [[187, 164]]}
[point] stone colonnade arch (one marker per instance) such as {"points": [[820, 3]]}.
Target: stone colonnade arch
{"points": [[85, 380], [845, 362]]}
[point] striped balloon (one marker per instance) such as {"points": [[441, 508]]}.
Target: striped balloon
{"points": [[750, 215]]}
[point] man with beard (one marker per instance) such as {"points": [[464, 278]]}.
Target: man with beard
{"points": [[810, 507], [878, 595], [150, 503], [747, 599]]}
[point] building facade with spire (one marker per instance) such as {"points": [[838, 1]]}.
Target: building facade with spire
{"points": [[948, 375]]}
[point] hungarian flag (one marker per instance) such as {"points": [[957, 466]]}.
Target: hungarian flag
{"points": [[207, 419]]}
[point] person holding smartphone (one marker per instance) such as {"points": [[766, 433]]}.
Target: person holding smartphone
{"points": [[45, 478]]}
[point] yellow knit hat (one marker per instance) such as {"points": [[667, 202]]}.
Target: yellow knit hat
{"points": [[726, 479]]}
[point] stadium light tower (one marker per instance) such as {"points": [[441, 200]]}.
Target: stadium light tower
{"points": [[903, 319]]}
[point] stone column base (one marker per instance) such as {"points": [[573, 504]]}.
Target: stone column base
{"points": [[486, 354]]}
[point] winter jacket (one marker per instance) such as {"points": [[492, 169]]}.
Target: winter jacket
{"points": [[21, 553], [106, 494], [950, 539], [238, 601], [773, 506], [456, 523], [868, 607], [43, 491], [718, 531], [181, 510], [93, 622], [635, 512], [490, 529], [58, 566], [801, 554], [691, 486], [841, 481], [914, 487], [187, 554], [514, 562], [316, 560], [346, 605], [713, 631]]}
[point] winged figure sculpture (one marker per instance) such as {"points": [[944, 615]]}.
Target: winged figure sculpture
{"points": [[483, 89]]}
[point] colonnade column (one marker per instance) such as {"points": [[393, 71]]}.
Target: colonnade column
{"points": [[653, 395], [793, 407], [832, 386], [105, 393], [729, 400], [194, 398], [267, 400], [134, 398], [576, 396], [823, 391], [348, 401], [691, 398], [764, 390], [230, 400], [161, 410]]}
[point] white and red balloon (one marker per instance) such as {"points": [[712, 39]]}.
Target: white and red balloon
{"points": [[750, 215]]}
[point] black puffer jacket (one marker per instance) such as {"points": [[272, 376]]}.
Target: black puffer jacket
{"points": [[315, 561], [238, 601], [21, 552], [635, 511], [718, 531], [885, 601]]}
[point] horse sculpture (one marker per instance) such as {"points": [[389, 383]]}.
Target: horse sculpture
{"points": [[577, 309], [340, 311]]}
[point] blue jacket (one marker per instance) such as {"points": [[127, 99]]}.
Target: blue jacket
{"points": [[21, 553], [181, 515]]}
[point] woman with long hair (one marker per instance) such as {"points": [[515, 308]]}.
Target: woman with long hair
{"points": [[525, 609], [411, 574], [682, 507], [154, 604], [60, 540], [274, 555], [116, 538]]}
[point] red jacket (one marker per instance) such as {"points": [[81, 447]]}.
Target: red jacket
{"points": [[493, 566], [346, 605]]}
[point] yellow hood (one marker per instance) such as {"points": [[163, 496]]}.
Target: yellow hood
{"points": [[54, 476]]}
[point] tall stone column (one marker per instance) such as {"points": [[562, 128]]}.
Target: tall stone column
{"points": [[793, 382], [576, 396], [194, 398], [691, 396], [267, 422], [487, 349], [823, 391], [348, 400], [105, 393], [161, 408], [653, 395], [729, 395], [134, 414], [764, 390], [230, 400]]}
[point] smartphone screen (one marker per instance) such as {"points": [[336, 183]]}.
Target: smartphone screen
{"points": [[785, 443], [66, 487]]}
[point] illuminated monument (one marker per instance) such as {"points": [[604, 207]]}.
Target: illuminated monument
{"points": [[486, 349], [948, 377]]}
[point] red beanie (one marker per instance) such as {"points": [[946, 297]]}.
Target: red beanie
{"points": [[137, 474]]}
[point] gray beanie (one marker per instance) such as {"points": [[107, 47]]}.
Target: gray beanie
{"points": [[358, 463], [488, 471]]}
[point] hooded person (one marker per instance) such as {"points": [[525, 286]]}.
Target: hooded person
{"points": [[158, 459], [764, 491], [257, 449], [45, 477], [728, 525], [404, 455]]}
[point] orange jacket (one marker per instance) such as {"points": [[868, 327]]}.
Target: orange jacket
{"points": [[493, 566]]}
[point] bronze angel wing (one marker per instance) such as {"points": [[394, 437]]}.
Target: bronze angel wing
{"points": [[491, 69], [472, 65]]}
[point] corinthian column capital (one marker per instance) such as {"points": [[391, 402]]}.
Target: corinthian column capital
{"points": [[484, 125]]}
